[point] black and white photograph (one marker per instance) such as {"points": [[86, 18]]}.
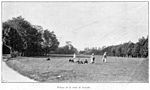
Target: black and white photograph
{"points": [[75, 42]]}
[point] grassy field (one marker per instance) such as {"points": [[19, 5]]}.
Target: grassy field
{"points": [[59, 70]]}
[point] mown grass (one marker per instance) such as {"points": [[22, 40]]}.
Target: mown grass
{"points": [[58, 69]]}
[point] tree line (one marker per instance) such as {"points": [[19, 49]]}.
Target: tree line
{"points": [[66, 50], [21, 37], [129, 49]]}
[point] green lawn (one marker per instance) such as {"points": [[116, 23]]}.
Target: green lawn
{"points": [[58, 69]]}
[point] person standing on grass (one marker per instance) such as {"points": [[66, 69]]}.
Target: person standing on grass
{"points": [[104, 57], [74, 56], [92, 58]]}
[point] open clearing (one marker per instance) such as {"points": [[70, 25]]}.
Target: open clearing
{"points": [[59, 70]]}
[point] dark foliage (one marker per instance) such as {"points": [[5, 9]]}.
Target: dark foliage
{"points": [[27, 39], [129, 49]]}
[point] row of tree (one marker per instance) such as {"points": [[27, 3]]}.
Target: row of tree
{"points": [[21, 37], [129, 49], [67, 49]]}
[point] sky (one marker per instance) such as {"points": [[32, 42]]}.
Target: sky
{"points": [[85, 24]]}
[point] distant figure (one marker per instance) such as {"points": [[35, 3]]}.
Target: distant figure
{"points": [[74, 56], [81, 62], [104, 57], [77, 61], [86, 61], [92, 58], [48, 59], [71, 60]]}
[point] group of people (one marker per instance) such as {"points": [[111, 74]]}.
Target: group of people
{"points": [[75, 60], [92, 58], [104, 58]]}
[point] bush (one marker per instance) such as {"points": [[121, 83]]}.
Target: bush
{"points": [[14, 54]]}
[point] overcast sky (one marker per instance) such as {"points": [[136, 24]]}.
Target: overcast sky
{"points": [[85, 24]]}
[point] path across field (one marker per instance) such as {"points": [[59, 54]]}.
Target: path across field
{"points": [[9, 75]]}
